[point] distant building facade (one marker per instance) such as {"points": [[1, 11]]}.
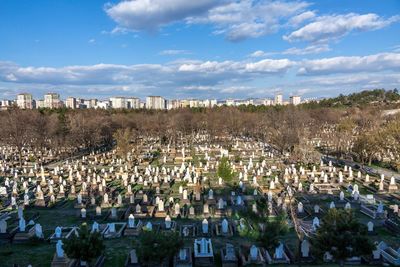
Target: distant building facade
{"points": [[25, 101], [295, 100], [71, 103], [118, 102], [278, 99], [52, 100], [155, 102]]}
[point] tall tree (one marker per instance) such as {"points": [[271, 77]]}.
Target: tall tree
{"points": [[16, 129], [225, 171], [123, 139]]}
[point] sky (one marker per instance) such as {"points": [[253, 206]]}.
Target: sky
{"points": [[198, 49]]}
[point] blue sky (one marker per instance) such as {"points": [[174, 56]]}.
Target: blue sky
{"points": [[198, 49]]}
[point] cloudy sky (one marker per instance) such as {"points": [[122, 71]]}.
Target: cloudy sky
{"points": [[199, 48]]}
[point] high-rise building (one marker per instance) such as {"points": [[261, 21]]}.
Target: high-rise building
{"points": [[52, 100], [103, 104], [267, 102], [5, 104], [40, 103], [278, 99], [156, 102], [209, 103], [71, 103], [25, 101], [184, 103], [133, 103], [230, 102], [174, 103], [295, 100], [118, 102], [194, 103]]}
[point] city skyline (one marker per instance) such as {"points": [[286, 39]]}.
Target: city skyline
{"points": [[53, 100], [205, 49]]}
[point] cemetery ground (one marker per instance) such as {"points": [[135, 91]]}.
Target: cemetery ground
{"points": [[214, 196]]}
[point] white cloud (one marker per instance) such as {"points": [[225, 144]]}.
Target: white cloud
{"points": [[371, 63], [258, 53], [211, 78], [396, 48], [311, 49], [301, 18], [270, 66], [235, 19], [238, 20], [173, 52], [151, 14], [330, 27], [169, 75], [359, 80]]}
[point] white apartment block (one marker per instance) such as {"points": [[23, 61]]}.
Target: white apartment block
{"points": [[268, 102], [103, 104], [193, 103], [89, 103], [295, 100], [133, 103], [155, 102], [209, 103], [174, 104], [25, 101], [5, 104], [278, 99], [52, 100], [230, 102], [118, 102], [244, 102], [40, 103], [71, 103]]}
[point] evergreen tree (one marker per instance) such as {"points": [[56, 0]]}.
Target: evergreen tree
{"points": [[342, 236], [86, 246], [225, 171]]}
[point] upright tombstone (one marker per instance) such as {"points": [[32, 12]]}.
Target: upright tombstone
{"points": [[131, 221], [204, 227], [253, 253], [95, 227], [22, 225], [58, 232], [305, 248], [113, 213], [183, 258], [60, 259], [203, 252], [3, 226], [392, 185], [370, 226], [38, 231], [228, 256], [300, 209], [279, 252], [168, 222]]}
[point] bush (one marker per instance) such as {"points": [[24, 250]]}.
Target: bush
{"points": [[154, 248], [85, 247]]}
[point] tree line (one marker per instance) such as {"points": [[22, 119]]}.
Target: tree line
{"points": [[359, 132]]}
